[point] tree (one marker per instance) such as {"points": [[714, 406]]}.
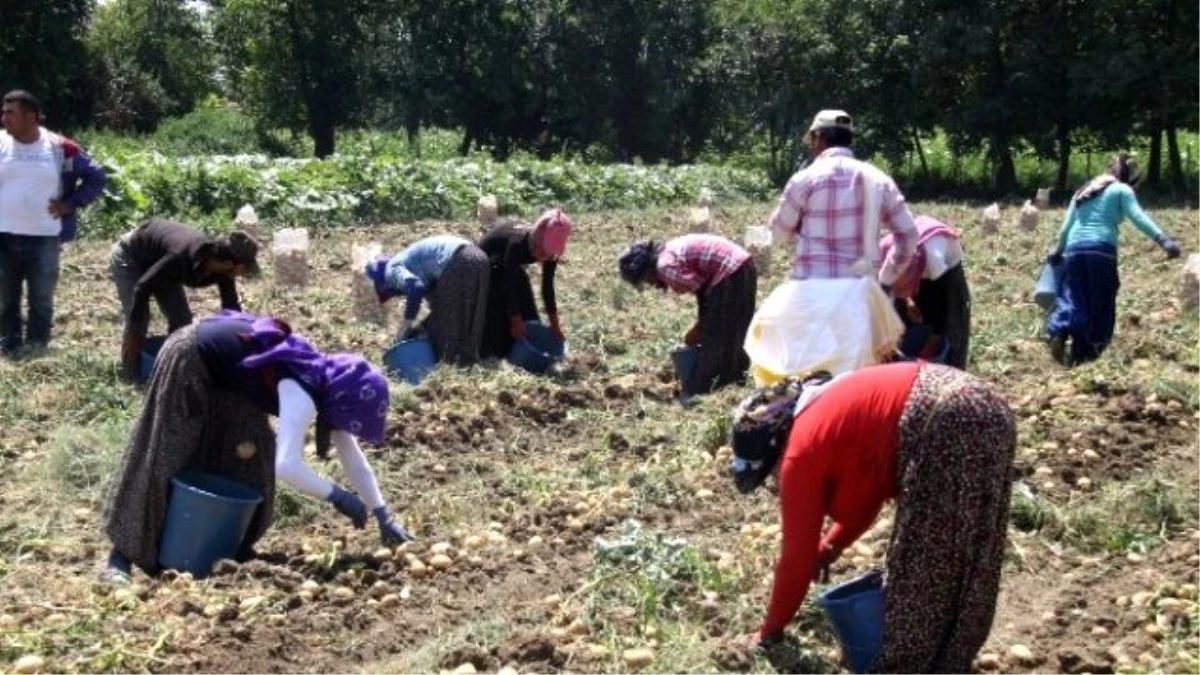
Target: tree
{"points": [[43, 52], [298, 64], [156, 59], [1157, 41], [649, 54]]}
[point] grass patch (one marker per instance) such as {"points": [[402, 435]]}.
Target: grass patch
{"points": [[1123, 517], [427, 657], [651, 573], [293, 508], [80, 461]]}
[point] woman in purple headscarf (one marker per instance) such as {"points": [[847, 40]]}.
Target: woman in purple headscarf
{"points": [[214, 385]]}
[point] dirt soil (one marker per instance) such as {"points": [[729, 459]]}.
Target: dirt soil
{"points": [[507, 480]]}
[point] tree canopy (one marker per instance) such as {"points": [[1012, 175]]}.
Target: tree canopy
{"points": [[655, 80]]}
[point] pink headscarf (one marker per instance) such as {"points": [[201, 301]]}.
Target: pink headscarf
{"points": [[551, 232], [905, 285]]}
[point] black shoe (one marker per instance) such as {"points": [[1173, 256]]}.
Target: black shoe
{"points": [[1058, 349]]}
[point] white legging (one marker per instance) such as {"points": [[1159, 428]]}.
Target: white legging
{"points": [[296, 412]]}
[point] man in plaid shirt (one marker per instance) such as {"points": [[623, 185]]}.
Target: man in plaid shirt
{"points": [[823, 209], [725, 282], [833, 313]]}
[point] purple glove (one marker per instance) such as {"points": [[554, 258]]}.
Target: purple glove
{"points": [[348, 504], [391, 533], [1168, 244]]}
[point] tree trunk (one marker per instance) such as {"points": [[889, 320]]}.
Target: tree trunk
{"points": [[916, 139], [1154, 168], [322, 130], [1064, 157], [1005, 169], [1177, 183]]}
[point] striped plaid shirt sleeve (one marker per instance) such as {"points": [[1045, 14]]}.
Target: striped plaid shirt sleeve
{"points": [[675, 271], [785, 220], [897, 217]]}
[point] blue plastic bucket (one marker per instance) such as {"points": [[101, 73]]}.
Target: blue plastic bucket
{"points": [[538, 350], [412, 360], [149, 355], [1047, 286], [207, 518], [913, 341], [685, 359], [855, 611]]}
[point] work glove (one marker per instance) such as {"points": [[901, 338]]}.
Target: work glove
{"points": [[516, 326], [765, 640], [556, 328], [408, 329], [826, 556], [1168, 244], [391, 533], [913, 311], [692, 338], [348, 504], [131, 353]]}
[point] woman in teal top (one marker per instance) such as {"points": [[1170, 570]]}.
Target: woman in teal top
{"points": [[1085, 309]]}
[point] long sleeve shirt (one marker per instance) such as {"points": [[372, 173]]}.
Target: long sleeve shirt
{"points": [[277, 391], [414, 271], [840, 462], [822, 211], [171, 254], [508, 248], [695, 263], [1098, 219]]}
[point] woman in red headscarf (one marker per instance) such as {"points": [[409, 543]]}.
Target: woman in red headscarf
{"points": [[509, 248]]}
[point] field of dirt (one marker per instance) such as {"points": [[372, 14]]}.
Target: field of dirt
{"points": [[583, 521]]}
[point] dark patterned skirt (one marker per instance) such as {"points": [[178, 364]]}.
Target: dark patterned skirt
{"points": [[458, 307], [725, 313], [497, 338], [187, 423], [957, 439], [945, 304]]}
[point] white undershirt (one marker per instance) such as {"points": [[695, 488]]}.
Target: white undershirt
{"points": [[29, 179], [296, 412], [941, 254]]}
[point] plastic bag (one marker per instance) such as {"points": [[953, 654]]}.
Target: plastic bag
{"points": [[836, 325], [991, 218], [247, 221], [1042, 199], [289, 252], [1189, 289], [758, 242], [367, 307], [1029, 216], [488, 211], [700, 220]]}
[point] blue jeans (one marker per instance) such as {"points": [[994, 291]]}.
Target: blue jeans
{"points": [[32, 262]]}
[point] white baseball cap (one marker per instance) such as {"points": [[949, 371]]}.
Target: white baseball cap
{"points": [[831, 119]]}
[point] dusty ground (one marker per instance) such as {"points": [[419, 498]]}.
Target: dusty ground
{"points": [[511, 479]]}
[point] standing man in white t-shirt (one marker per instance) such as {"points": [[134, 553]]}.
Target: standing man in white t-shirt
{"points": [[44, 179]]}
